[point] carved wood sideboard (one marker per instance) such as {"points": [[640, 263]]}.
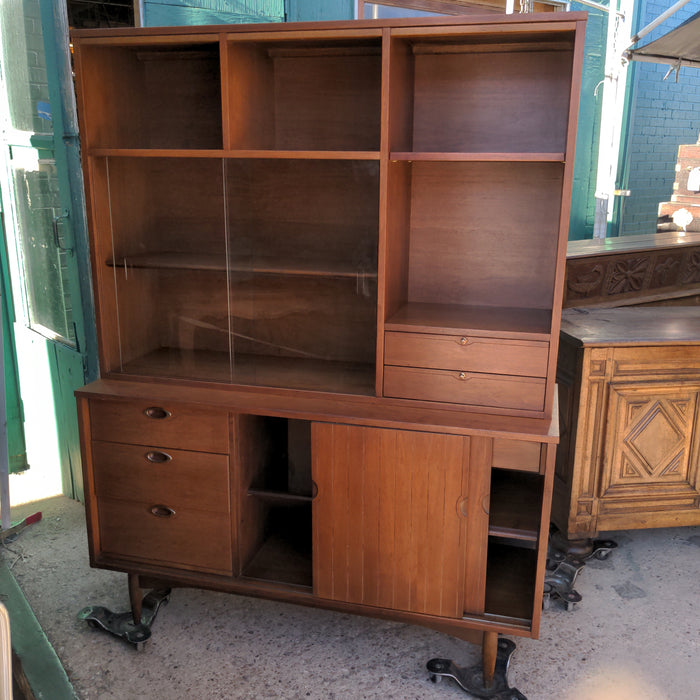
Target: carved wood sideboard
{"points": [[629, 457], [631, 270]]}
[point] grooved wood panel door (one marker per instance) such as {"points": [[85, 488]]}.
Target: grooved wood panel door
{"points": [[389, 525]]}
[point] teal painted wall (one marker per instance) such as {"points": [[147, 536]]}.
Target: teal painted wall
{"points": [[170, 13], [312, 10], [588, 131]]}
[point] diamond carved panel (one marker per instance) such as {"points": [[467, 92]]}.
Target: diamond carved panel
{"points": [[649, 440], [655, 439]]}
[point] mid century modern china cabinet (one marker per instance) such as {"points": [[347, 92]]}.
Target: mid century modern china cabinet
{"points": [[328, 262]]}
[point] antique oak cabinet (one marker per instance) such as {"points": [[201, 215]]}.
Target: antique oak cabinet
{"points": [[629, 457], [328, 263]]}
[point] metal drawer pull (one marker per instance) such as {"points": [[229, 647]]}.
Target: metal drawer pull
{"points": [[157, 413], [462, 375], [158, 457], [463, 341], [162, 511]]}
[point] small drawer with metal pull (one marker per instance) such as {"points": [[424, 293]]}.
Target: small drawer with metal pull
{"points": [[527, 358], [156, 423], [477, 389]]}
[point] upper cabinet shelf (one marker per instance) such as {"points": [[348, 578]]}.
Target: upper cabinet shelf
{"points": [[156, 95], [318, 94], [470, 95]]}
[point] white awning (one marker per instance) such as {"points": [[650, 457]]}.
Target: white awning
{"points": [[680, 47]]}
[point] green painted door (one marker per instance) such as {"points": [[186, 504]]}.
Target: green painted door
{"points": [[45, 230]]}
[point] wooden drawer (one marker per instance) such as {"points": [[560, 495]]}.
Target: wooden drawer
{"points": [[190, 539], [492, 390], [519, 455], [175, 478], [469, 354], [165, 425]]}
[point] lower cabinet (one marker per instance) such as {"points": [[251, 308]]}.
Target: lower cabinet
{"points": [[433, 527]]}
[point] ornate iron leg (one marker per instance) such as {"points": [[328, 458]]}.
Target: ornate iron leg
{"points": [[475, 679], [133, 626]]}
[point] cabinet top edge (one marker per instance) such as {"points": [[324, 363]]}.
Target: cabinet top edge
{"points": [[556, 20], [361, 410]]}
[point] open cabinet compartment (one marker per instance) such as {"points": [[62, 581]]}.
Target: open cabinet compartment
{"points": [[276, 491], [481, 93], [153, 95], [317, 93], [515, 514]]}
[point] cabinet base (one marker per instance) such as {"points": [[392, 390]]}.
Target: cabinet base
{"points": [[471, 679], [122, 624]]}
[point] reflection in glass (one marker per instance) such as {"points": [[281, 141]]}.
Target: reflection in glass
{"points": [[40, 230]]}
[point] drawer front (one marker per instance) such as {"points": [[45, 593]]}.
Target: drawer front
{"points": [[466, 353], [492, 390], [166, 425], [190, 539], [520, 455], [175, 478]]}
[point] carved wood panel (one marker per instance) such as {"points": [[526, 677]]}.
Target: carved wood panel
{"points": [[649, 446]]}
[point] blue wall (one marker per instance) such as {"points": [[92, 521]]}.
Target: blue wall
{"points": [[588, 130], [663, 115], [170, 13]]}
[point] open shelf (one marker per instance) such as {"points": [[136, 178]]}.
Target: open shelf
{"points": [[321, 94], [516, 506], [481, 94], [284, 556], [275, 501], [478, 156], [488, 321], [510, 581], [156, 95]]}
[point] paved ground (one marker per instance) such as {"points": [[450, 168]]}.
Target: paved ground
{"points": [[633, 636]]}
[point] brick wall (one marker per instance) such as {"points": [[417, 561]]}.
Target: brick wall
{"points": [[663, 115]]}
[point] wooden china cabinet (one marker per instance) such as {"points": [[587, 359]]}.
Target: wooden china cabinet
{"points": [[328, 262]]}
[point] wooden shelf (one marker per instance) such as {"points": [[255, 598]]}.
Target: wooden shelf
{"points": [[280, 497], [258, 265], [476, 156], [249, 154], [281, 561], [488, 321], [516, 506], [256, 370]]}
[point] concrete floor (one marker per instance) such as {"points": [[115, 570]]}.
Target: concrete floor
{"points": [[634, 635]]}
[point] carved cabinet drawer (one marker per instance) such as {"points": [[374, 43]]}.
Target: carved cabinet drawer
{"points": [[466, 353], [492, 390], [144, 422]]}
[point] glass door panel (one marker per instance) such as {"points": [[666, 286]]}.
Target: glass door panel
{"points": [[303, 272], [167, 266]]}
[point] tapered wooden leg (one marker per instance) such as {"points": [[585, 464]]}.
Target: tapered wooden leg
{"points": [[489, 652], [135, 597]]}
